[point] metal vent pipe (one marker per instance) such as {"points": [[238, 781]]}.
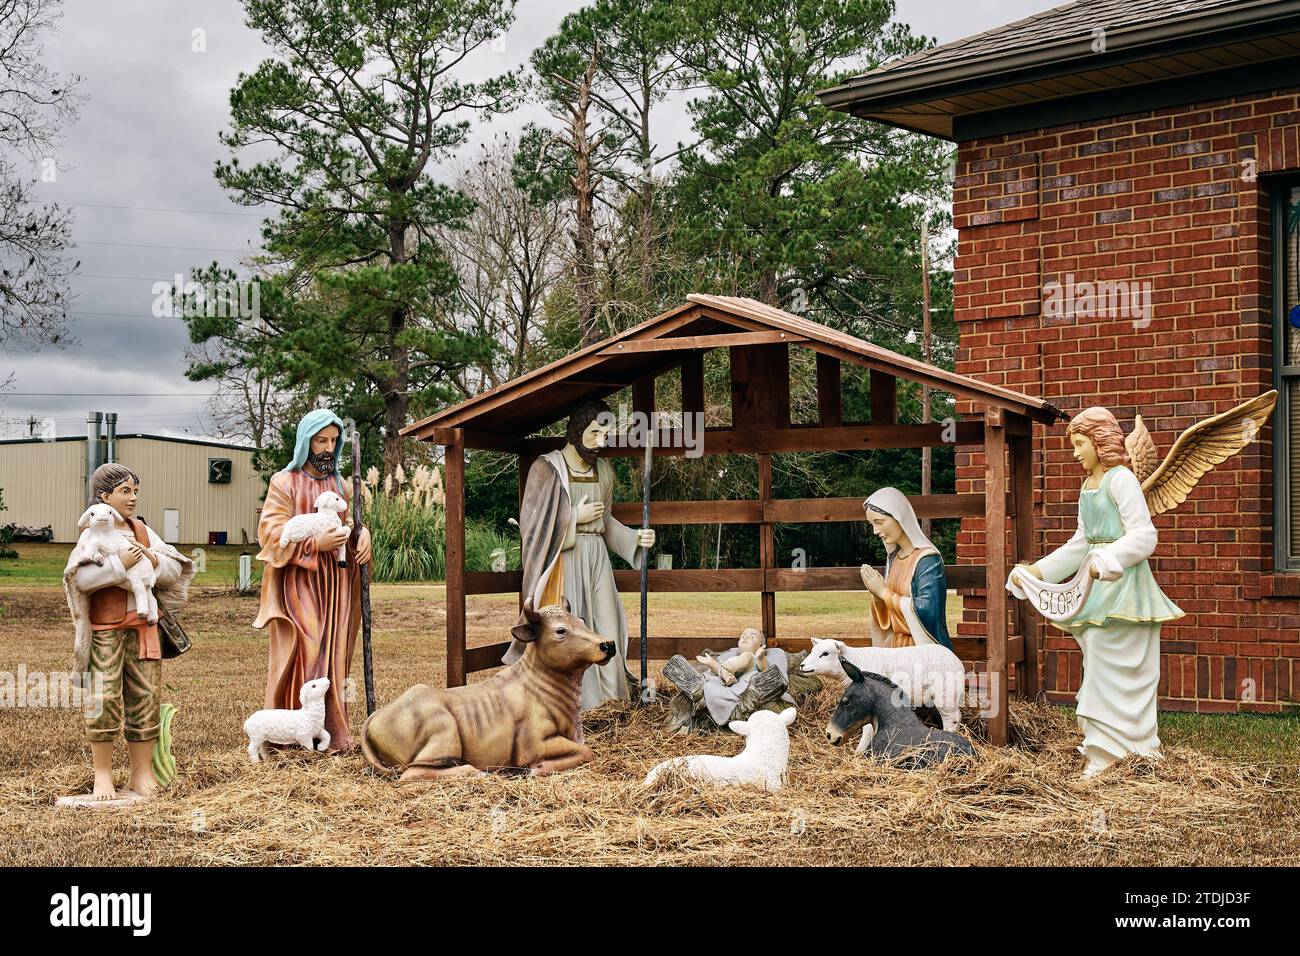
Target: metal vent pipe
{"points": [[93, 420]]}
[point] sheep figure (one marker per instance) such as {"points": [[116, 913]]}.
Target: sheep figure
{"points": [[99, 539], [303, 727], [762, 762], [329, 506], [929, 674]]}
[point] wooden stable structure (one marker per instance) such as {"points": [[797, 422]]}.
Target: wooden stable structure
{"points": [[758, 338]]}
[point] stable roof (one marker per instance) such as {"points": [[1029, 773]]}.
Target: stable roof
{"points": [[539, 398]]}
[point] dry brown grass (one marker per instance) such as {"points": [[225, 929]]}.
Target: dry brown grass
{"points": [[1022, 804]]}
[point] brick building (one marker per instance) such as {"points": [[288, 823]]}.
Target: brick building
{"points": [[1127, 200]]}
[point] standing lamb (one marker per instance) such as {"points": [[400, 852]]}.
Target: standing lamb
{"points": [[329, 506], [929, 674], [303, 727], [762, 762]]}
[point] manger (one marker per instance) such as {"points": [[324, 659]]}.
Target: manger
{"points": [[998, 422]]}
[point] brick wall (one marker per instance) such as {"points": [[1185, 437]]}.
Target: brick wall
{"points": [[1175, 198]]}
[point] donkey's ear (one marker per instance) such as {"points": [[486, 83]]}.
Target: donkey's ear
{"points": [[855, 675]]}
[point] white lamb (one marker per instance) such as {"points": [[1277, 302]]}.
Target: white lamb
{"points": [[99, 539], [329, 506], [303, 727], [762, 762], [926, 673]]}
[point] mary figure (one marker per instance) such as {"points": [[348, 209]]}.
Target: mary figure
{"points": [[909, 602]]}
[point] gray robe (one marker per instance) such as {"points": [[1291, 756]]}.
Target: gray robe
{"points": [[722, 700], [550, 534]]}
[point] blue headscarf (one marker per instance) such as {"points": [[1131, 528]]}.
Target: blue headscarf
{"points": [[311, 423]]}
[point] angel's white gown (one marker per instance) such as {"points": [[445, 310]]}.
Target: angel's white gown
{"points": [[1118, 626]]}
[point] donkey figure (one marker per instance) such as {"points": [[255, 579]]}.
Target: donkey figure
{"points": [[870, 698]]}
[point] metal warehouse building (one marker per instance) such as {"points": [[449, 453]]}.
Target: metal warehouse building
{"points": [[189, 488]]}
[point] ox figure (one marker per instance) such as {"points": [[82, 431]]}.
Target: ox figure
{"points": [[524, 717]]}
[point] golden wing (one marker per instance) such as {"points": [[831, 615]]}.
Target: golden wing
{"points": [[1200, 448], [1141, 450]]}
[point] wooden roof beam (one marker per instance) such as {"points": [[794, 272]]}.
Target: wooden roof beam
{"points": [[904, 367], [684, 343], [830, 397], [743, 441]]}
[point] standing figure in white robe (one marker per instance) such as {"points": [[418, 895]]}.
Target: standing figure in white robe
{"points": [[1118, 623], [1112, 604], [567, 530]]}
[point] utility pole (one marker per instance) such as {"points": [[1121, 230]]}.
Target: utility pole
{"points": [[926, 455]]}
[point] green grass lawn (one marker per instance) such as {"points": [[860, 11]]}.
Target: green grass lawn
{"points": [[1260, 738], [41, 565]]}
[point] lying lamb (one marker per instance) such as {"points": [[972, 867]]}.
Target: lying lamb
{"points": [[303, 727], [329, 506], [762, 762], [100, 539], [927, 674]]}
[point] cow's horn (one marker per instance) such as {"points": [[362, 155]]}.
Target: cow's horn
{"points": [[530, 612]]}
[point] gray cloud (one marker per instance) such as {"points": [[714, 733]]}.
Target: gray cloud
{"points": [[147, 138]]}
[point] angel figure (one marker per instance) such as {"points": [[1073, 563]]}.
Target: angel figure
{"points": [[1112, 605]]}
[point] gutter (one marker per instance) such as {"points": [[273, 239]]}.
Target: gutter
{"points": [[883, 89]]}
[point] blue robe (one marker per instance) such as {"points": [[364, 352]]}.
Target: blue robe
{"points": [[930, 598]]}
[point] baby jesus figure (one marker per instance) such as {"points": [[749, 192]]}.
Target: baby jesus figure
{"points": [[751, 652], [730, 686]]}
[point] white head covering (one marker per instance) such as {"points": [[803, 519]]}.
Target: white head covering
{"points": [[894, 503]]}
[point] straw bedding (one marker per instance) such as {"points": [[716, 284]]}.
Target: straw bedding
{"points": [[1021, 804]]}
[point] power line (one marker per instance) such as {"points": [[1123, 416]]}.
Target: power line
{"points": [[114, 394], [200, 212], [124, 315], [150, 245], [98, 275]]}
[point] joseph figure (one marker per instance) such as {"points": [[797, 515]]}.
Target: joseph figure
{"points": [[568, 530], [310, 601]]}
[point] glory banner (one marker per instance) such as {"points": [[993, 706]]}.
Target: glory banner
{"points": [[1060, 602]]}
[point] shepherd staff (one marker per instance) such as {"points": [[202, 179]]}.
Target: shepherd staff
{"points": [[358, 502]]}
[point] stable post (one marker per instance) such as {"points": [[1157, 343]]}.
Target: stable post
{"points": [[455, 557], [767, 548], [1028, 679], [995, 545]]}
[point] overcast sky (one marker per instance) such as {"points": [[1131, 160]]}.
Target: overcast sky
{"points": [[137, 170]]}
